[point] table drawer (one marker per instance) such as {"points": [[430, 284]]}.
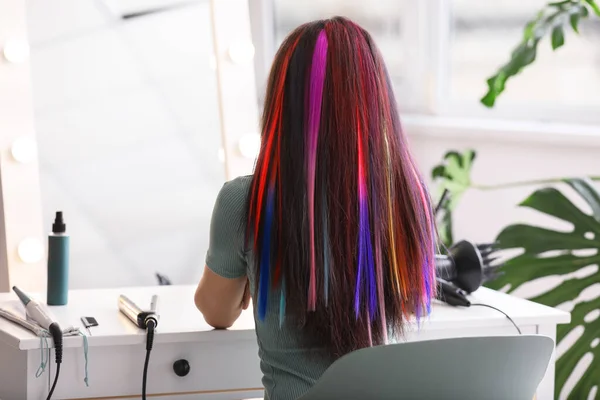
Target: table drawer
{"points": [[215, 367]]}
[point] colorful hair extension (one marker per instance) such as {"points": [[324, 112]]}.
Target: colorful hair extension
{"points": [[282, 304], [269, 163], [340, 221], [264, 284], [317, 78], [366, 267], [379, 263]]}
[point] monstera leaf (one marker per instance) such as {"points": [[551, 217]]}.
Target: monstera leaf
{"points": [[453, 178], [551, 21], [566, 264]]}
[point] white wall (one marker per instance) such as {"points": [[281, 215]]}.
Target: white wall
{"points": [[481, 215]]}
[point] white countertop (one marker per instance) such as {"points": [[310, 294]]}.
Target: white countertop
{"points": [[180, 321]]}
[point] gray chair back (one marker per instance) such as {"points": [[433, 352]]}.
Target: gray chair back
{"points": [[471, 368]]}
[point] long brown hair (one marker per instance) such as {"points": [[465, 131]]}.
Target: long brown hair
{"points": [[339, 218]]}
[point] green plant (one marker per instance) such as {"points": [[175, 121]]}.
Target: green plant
{"points": [[453, 178], [551, 21], [573, 263], [570, 258]]}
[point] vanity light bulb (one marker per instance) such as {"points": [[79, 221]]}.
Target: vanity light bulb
{"points": [[213, 62], [24, 149], [221, 154], [16, 51], [241, 51], [30, 250], [249, 145]]}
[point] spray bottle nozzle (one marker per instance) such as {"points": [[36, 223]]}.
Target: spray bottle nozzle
{"points": [[59, 224]]}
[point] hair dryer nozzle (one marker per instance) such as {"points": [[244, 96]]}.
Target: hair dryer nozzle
{"points": [[469, 266], [463, 266]]}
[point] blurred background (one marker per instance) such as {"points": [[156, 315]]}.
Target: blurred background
{"points": [[126, 114], [128, 133]]}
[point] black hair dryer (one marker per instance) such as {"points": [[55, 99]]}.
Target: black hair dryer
{"points": [[466, 267]]}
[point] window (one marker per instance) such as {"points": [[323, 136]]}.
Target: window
{"points": [[388, 21], [441, 52], [557, 85]]}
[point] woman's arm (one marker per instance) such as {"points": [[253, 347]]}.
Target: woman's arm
{"points": [[223, 292], [221, 300]]}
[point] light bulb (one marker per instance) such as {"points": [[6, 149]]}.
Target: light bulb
{"points": [[16, 51], [30, 250], [221, 154], [241, 51], [213, 62], [249, 145], [24, 149]]}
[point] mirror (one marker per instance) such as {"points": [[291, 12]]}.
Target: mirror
{"points": [[127, 123]]}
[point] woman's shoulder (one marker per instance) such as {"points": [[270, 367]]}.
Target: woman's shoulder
{"points": [[233, 195], [236, 189]]}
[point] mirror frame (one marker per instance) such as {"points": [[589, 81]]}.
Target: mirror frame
{"points": [[20, 199], [236, 82], [20, 195]]}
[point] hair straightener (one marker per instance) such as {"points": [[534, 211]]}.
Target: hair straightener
{"points": [[147, 320]]}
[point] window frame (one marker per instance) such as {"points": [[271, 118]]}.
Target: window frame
{"points": [[429, 27]]}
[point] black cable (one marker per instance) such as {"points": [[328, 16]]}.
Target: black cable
{"points": [[499, 310], [57, 337], [54, 384], [145, 374], [150, 326]]}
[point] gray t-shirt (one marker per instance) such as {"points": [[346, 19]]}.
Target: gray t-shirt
{"points": [[288, 369]]}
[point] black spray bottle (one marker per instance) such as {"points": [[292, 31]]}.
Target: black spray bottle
{"points": [[58, 263]]}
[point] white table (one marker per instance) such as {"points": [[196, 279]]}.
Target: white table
{"points": [[224, 364]]}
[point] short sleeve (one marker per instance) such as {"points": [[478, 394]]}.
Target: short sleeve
{"points": [[226, 255]]}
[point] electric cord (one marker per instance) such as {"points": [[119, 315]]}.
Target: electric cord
{"points": [[145, 374], [55, 381], [151, 323], [499, 310], [57, 337]]}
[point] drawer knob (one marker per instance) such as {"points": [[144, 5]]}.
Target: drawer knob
{"points": [[181, 367]]}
